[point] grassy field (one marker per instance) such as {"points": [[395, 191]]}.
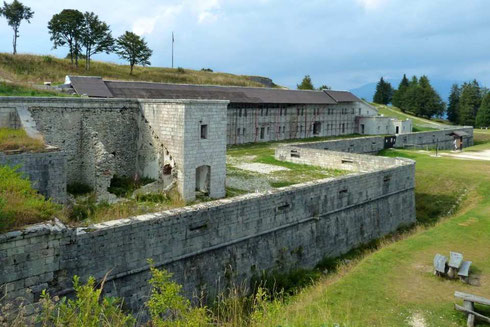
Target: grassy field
{"points": [[13, 89], [419, 124], [394, 286], [23, 68], [18, 140]]}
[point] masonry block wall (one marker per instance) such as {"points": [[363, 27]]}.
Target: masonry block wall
{"points": [[211, 245], [193, 131], [46, 170]]}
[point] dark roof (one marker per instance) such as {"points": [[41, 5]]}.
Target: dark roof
{"points": [[96, 87], [234, 94], [459, 133], [342, 96], [91, 86]]}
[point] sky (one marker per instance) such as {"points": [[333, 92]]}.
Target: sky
{"points": [[341, 43]]}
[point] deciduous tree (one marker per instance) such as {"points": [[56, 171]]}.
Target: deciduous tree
{"points": [[66, 30], [15, 13], [96, 37], [134, 49]]}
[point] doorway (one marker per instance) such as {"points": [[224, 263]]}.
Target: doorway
{"points": [[203, 176]]}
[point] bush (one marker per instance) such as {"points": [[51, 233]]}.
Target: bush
{"points": [[84, 209], [209, 70], [168, 307], [180, 70], [153, 198], [77, 188], [20, 204], [123, 186], [86, 309]]}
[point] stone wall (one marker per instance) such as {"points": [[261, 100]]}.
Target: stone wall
{"points": [[373, 144], [46, 170], [193, 131], [210, 245]]}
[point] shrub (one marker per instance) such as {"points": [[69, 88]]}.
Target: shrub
{"points": [[153, 198], [86, 309], [77, 188], [209, 70], [180, 70], [20, 204], [123, 186], [84, 208], [167, 306]]}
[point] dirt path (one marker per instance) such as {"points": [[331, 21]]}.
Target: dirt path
{"points": [[476, 155]]}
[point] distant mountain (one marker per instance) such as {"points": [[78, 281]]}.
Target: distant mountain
{"points": [[443, 87]]}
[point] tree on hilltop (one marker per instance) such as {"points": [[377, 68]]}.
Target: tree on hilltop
{"points": [[469, 103], [453, 103], [66, 30], [483, 115], [134, 49], [399, 94], [384, 92], [324, 87], [305, 84], [15, 13], [95, 36]]}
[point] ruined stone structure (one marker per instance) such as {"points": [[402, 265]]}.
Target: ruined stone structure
{"points": [[212, 245], [160, 139]]}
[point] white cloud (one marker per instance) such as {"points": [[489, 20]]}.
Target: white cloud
{"points": [[165, 17], [371, 4]]}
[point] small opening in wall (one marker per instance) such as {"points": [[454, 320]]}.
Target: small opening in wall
{"points": [[196, 227], [204, 131], [317, 126], [283, 207], [347, 161], [343, 192], [295, 154], [167, 169], [387, 178]]}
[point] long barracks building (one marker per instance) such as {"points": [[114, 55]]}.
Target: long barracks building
{"points": [[261, 114]]}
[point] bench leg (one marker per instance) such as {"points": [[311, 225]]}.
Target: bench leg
{"points": [[471, 318]]}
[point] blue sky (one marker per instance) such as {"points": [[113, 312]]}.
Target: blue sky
{"points": [[341, 43]]}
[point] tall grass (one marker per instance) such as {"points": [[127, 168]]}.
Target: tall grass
{"points": [[37, 69], [20, 204], [17, 139], [20, 90]]}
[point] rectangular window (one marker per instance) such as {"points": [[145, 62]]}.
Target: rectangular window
{"points": [[262, 132], [244, 131], [317, 126], [204, 131], [238, 131]]}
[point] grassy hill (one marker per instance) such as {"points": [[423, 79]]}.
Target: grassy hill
{"points": [[395, 286], [34, 69], [419, 124]]}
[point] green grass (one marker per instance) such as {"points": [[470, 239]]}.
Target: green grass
{"points": [[419, 124], [264, 153], [391, 285], [20, 204], [23, 68], [18, 140], [19, 90]]}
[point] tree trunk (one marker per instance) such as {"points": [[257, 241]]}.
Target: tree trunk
{"points": [[15, 41], [131, 72]]}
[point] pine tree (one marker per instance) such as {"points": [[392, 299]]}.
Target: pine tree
{"points": [[398, 95], [483, 116], [452, 108], [469, 103], [430, 103], [384, 92], [306, 84], [410, 99]]}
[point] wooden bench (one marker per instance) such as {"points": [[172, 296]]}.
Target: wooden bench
{"points": [[468, 307]]}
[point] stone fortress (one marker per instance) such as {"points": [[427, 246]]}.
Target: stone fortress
{"points": [[178, 134]]}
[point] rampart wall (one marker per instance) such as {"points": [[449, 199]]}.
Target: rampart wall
{"points": [[210, 245]]}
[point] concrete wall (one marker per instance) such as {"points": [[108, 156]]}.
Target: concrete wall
{"points": [[210, 245], [9, 118], [46, 170]]}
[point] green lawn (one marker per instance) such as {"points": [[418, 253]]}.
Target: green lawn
{"points": [[394, 286]]}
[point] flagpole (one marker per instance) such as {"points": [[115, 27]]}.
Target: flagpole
{"points": [[172, 49]]}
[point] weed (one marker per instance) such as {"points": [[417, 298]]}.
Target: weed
{"points": [[123, 186]]}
